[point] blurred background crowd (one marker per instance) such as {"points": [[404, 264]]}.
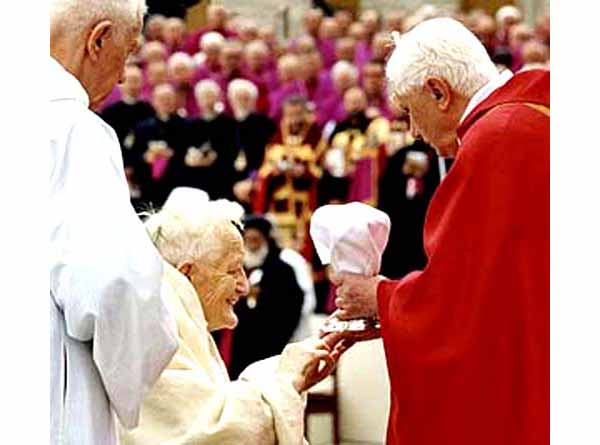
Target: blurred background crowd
{"points": [[285, 120]]}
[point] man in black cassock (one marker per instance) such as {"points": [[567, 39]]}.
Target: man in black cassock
{"points": [[210, 155], [270, 314], [405, 189], [124, 115], [157, 149]]}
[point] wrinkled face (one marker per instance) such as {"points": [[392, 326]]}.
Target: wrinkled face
{"points": [[427, 121], [220, 281], [132, 82], [109, 66]]}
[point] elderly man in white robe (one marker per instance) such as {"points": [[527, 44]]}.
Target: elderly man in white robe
{"points": [[111, 335], [194, 402]]}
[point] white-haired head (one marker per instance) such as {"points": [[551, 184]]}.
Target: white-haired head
{"points": [[242, 95], [78, 15], [344, 75], [190, 227], [154, 51], [443, 48], [181, 67], [211, 40], [508, 15], [208, 96]]}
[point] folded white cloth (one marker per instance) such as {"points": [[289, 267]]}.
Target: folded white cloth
{"points": [[351, 237]]}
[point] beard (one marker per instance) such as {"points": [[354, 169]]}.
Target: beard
{"points": [[253, 260]]}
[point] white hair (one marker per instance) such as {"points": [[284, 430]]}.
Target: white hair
{"points": [[196, 233], [77, 15], [207, 85], [241, 85], [257, 46], [440, 47], [210, 39], [343, 66], [180, 58], [508, 11]]}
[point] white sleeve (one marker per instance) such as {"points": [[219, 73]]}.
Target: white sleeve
{"points": [[106, 274]]}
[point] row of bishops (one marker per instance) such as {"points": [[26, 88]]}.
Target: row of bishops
{"points": [[305, 167]]}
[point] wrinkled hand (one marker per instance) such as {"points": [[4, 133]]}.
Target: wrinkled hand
{"points": [[308, 362], [356, 295]]}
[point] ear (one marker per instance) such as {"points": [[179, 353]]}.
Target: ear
{"points": [[101, 32], [440, 91], [185, 268]]}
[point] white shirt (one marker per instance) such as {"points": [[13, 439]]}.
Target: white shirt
{"points": [[486, 91], [110, 332]]}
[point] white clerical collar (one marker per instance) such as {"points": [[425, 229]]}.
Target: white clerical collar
{"points": [[65, 85], [485, 91], [129, 100]]}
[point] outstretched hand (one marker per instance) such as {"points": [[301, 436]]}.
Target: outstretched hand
{"points": [[356, 295]]}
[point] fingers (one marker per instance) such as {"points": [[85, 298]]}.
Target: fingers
{"points": [[332, 339]]}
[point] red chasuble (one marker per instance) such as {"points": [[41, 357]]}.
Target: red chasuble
{"points": [[467, 338]]}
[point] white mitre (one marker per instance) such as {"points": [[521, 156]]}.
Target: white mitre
{"points": [[351, 237]]}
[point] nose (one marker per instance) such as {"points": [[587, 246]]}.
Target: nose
{"points": [[242, 285]]}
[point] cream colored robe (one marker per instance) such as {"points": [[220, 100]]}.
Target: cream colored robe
{"points": [[195, 403]]}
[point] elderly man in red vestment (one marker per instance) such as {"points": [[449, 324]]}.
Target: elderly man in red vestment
{"points": [[467, 338]]}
